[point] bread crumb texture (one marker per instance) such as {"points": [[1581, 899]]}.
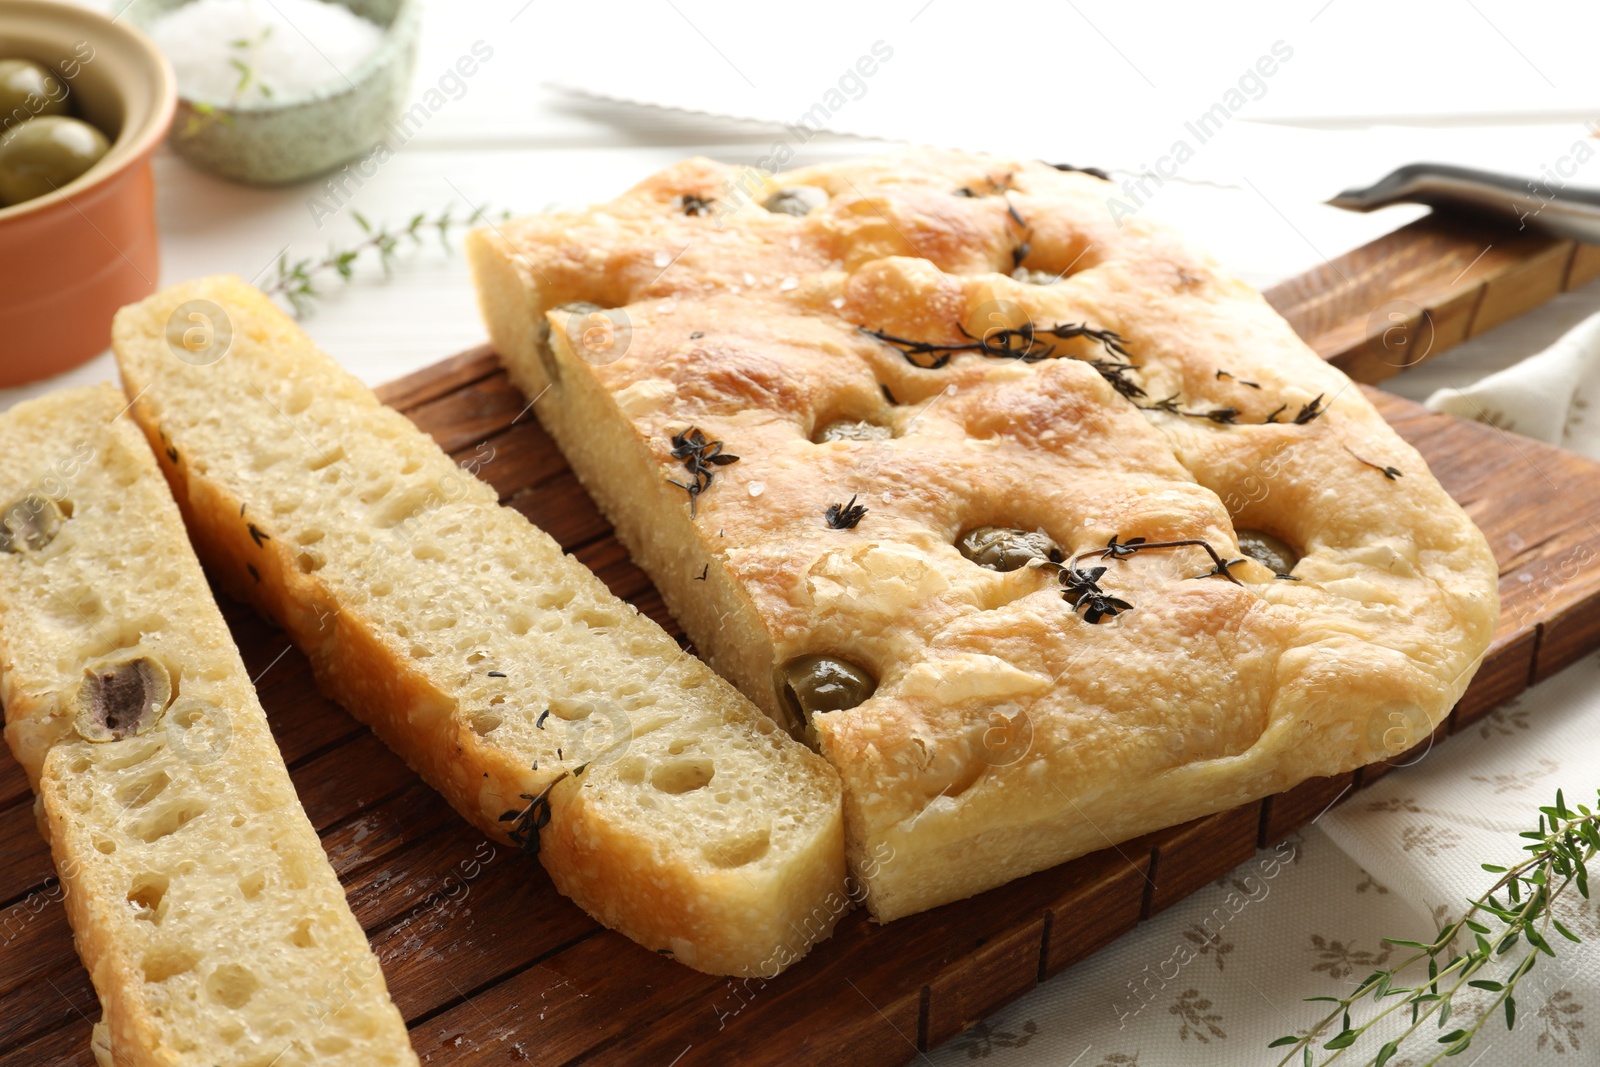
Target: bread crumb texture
{"points": [[200, 898], [545, 709]]}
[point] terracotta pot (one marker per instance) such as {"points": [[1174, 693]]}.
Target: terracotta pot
{"points": [[70, 259]]}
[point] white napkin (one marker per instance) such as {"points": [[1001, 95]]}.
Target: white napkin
{"points": [[1209, 982], [1545, 396]]}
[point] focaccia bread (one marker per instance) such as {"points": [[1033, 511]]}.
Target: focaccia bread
{"points": [[959, 395], [200, 898], [545, 710]]}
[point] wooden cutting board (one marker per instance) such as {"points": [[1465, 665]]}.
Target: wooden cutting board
{"points": [[490, 965]]}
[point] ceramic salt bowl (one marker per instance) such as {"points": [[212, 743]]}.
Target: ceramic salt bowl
{"points": [[282, 140], [71, 258]]}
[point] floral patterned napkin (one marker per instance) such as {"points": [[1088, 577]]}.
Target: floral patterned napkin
{"points": [[1216, 977], [1541, 396]]}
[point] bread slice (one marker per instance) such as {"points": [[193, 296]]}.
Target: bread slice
{"points": [[201, 900], [547, 711]]}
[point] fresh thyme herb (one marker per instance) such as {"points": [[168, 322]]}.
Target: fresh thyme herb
{"points": [[1390, 473], [296, 280], [1093, 172], [1170, 404], [697, 335], [530, 820], [1223, 375], [844, 516], [1012, 342], [696, 205], [258, 535], [1310, 411], [203, 113], [1026, 343], [1081, 588], [497, 674], [539, 722], [699, 456], [1025, 245], [1560, 850], [967, 192]]}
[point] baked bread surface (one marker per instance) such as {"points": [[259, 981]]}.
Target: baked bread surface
{"points": [[200, 899], [1007, 732], [546, 711]]}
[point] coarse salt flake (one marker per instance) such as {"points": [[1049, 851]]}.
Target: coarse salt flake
{"points": [[254, 52]]}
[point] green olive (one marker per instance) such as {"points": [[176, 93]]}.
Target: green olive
{"points": [[853, 430], [796, 200], [1267, 550], [42, 155], [28, 90], [29, 523], [1002, 549], [121, 698], [812, 684]]}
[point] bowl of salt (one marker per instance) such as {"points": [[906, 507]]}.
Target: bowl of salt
{"points": [[274, 91]]}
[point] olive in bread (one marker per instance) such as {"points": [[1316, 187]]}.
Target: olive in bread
{"points": [[201, 901], [546, 711]]}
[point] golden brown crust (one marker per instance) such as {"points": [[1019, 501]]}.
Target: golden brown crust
{"points": [[1006, 733]]}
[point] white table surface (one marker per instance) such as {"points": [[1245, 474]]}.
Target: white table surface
{"points": [[511, 141]]}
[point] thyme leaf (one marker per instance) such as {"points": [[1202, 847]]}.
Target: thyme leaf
{"points": [[1517, 908]]}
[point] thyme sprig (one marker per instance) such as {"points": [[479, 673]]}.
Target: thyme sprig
{"points": [[1081, 588], [1010, 342], [530, 820], [1518, 908], [699, 456], [1026, 343], [1390, 473], [296, 279], [844, 516]]}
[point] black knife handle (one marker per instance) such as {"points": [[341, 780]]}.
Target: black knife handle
{"points": [[1569, 210]]}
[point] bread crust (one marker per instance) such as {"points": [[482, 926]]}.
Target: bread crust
{"points": [[1006, 733], [315, 575]]}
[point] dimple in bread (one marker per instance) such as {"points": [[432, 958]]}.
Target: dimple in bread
{"points": [[544, 709], [916, 355], [200, 898]]}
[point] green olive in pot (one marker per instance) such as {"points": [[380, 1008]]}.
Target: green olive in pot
{"points": [[44, 154], [28, 90]]}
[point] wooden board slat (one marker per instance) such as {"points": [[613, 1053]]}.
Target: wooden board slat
{"points": [[1408, 296], [490, 965]]}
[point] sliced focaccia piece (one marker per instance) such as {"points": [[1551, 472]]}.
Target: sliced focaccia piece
{"points": [[200, 898], [547, 711], [1045, 530]]}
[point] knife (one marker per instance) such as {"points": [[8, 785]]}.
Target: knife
{"points": [[1566, 210]]}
